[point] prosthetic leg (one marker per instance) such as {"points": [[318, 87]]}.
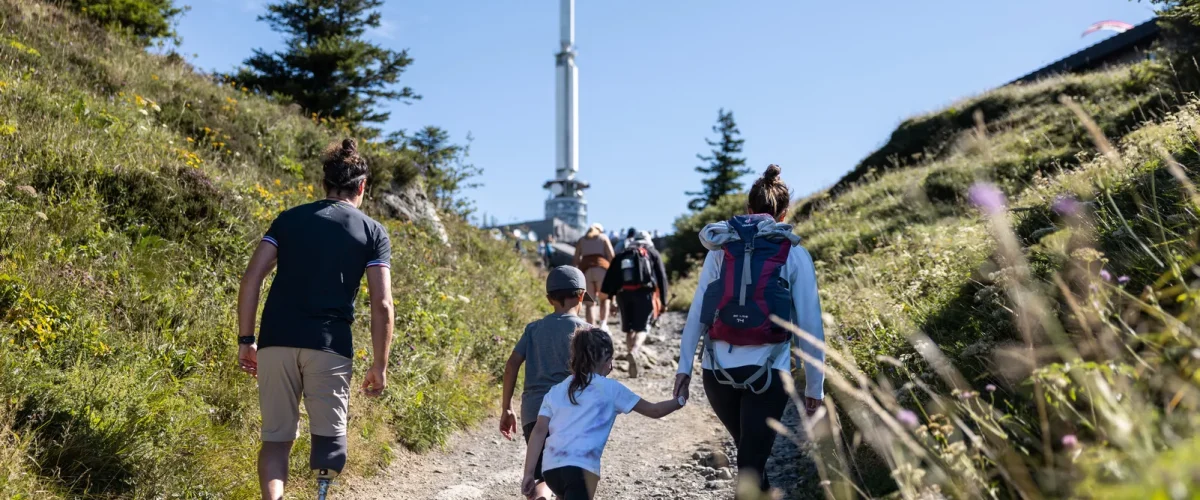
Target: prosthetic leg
{"points": [[327, 458]]}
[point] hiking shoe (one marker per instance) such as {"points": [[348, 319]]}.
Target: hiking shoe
{"points": [[323, 488]]}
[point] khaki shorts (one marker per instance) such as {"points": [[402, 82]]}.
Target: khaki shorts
{"points": [[284, 373]]}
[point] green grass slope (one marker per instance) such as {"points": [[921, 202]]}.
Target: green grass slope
{"points": [[132, 190]]}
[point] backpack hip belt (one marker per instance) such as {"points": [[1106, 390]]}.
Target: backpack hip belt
{"points": [[723, 377]]}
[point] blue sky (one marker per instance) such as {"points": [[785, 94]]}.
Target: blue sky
{"points": [[814, 86]]}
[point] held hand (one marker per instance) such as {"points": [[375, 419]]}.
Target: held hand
{"points": [[528, 484], [508, 424], [682, 385], [811, 405], [248, 359], [375, 382]]}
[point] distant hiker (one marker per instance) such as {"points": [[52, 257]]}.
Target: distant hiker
{"points": [[593, 253], [639, 281], [548, 251], [576, 417], [755, 267], [629, 236], [304, 346], [545, 349]]}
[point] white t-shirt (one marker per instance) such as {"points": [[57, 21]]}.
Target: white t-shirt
{"points": [[578, 432]]}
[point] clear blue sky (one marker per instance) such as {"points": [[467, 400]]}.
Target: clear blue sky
{"points": [[814, 86]]}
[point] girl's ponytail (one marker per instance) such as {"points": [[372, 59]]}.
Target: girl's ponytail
{"points": [[590, 347]]}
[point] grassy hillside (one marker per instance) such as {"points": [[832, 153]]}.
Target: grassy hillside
{"points": [[1087, 293], [132, 190]]}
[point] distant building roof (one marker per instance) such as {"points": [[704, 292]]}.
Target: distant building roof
{"points": [[1114, 48]]}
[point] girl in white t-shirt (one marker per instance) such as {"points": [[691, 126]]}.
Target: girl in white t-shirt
{"points": [[576, 417]]}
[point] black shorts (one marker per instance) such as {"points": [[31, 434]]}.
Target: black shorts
{"points": [[572, 483], [637, 307], [527, 429]]}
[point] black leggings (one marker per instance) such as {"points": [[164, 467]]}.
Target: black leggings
{"points": [[745, 415], [571, 483]]}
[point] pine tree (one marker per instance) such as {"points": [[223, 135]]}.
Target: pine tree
{"points": [[328, 67], [724, 167]]}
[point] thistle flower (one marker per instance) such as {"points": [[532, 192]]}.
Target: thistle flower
{"points": [[1123, 280], [908, 418], [990, 387], [1070, 441], [987, 198], [1105, 275]]}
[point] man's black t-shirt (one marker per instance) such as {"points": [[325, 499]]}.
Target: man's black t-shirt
{"points": [[324, 248]]}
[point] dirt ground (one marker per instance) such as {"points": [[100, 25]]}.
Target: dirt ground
{"points": [[669, 458]]}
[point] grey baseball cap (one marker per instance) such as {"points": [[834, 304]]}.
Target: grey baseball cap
{"points": [[568, 278]]}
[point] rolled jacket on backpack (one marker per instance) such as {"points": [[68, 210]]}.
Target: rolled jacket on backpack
{"points": [[800, 273]]}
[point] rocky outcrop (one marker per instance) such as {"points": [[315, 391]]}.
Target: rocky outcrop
{"points": [[410, 203]]}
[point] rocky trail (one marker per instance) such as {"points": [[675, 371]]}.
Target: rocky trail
{"points": [[682, 456]]}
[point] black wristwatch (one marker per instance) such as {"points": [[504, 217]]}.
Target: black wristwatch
{"points": [[246, 340]]}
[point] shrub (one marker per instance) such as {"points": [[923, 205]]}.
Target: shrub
{"points": [[145, 20], [683, 250]]}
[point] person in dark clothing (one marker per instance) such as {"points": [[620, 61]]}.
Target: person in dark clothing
{"points": [[638, 279], [320, 252]]}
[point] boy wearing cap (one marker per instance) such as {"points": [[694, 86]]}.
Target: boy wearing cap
{"points": [[545, 350]]}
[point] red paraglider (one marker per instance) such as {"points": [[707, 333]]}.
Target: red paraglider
{"points": [[1115, 26]]}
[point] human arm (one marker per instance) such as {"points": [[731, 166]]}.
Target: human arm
{"points": [[508, 419], [692, 330], [803, 279], [383, 319], [660, 276], [657, 410], [608, 249], [261, 263], [578, 254], [533, 450]]}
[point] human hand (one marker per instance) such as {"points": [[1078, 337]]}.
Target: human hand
{"points": [[248, 359], [682, 385], [508, 424], [375, 381], [811, 405], [528, 484]]}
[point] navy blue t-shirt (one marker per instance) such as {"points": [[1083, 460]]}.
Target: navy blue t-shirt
{"points": [[324, 248]]}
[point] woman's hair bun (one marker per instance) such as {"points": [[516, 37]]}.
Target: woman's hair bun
{"points": [[349, 147], [772, 172]]}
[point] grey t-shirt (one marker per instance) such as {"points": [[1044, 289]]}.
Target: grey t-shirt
{"points": [[546, 346]]}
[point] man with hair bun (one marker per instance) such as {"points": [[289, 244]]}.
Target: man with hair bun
{"points": [[304, 347]]}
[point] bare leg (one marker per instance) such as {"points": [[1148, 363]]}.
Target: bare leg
{"points": [[273, 468], [602, 304], [542, 492]]}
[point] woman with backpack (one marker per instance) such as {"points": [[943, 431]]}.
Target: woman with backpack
{"points": [[593, 253], [755, 268]]}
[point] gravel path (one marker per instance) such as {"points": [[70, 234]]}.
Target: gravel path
{"points": [[645, 458]]}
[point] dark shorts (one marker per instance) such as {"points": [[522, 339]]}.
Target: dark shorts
{"points": [[527, 429], [636, 309], [571, 483]]}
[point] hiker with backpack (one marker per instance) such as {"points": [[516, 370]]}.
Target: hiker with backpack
{"points": [[320, 252], [576, 417], [593, 253], [755, 268], [544, 349], [638, 279]]}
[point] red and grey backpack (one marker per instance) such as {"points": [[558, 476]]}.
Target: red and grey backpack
{"points": [[637, 271], [738, 305]]}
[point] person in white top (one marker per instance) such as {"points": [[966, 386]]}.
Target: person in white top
{"points": [[743, 384], [577, 416]]}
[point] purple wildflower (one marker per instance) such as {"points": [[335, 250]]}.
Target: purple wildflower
{"points": [[1105, 275], [1123, 280], [1070, 441], [1065, 206], [991, 387], [987, 197], [907, 417]]}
